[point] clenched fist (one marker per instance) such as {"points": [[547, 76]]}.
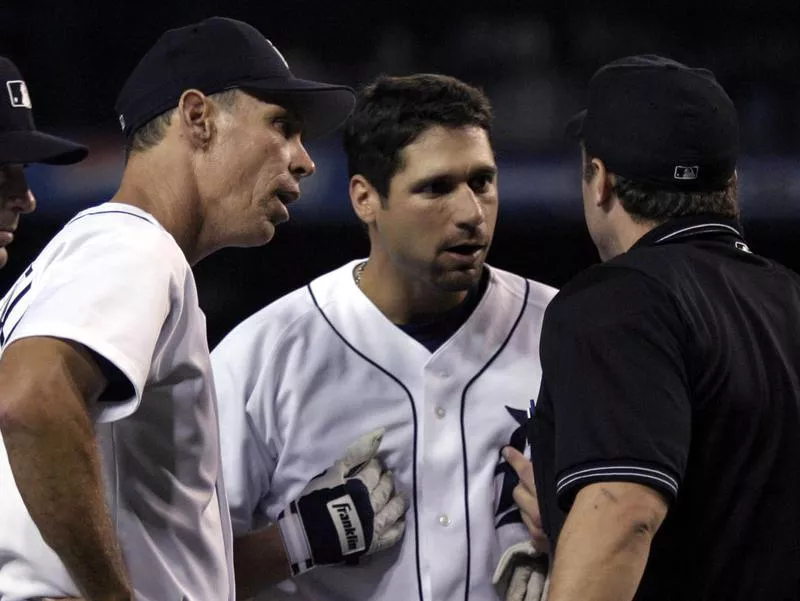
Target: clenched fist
{"points": [[350, 510]]}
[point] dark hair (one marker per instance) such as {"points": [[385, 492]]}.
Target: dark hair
{"points": [[650, 202], [152, 132], [391, 112]]}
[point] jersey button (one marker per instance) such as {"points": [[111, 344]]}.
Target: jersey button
{"points": [[444, 520], [440, 412]]}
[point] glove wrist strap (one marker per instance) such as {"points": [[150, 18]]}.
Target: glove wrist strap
{"points": [[293, 534]]}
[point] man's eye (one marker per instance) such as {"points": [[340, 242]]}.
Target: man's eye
{"points": [[480, 183], [282, 125], [437, 188], [287, 127]]}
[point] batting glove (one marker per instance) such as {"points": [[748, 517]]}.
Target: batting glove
{"points": [[521, 574], [348, 511]]}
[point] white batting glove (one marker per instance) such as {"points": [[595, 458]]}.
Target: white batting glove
{"points": [[348, 511], [521, 574]]}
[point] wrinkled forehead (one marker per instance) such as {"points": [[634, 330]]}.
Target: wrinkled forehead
{"points": [[447, 150]]}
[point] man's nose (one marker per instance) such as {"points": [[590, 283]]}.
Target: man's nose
{"points": [[302, 164], [470, 212], [17, 196]]}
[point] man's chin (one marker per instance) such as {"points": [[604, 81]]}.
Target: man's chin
{"points": [[459, 280], [3, 257], [260, 237], [269, 234]]}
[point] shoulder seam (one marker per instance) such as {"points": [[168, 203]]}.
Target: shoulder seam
{"points": [[529, 285], [655, 281], [284, 331], [108, 212]]}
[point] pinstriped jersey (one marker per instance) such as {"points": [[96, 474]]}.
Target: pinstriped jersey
{"points": [[307, 375], [115, 281]]}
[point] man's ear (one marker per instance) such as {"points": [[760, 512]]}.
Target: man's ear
{"points": [[365, 199], [195, 111], [602, 184]]}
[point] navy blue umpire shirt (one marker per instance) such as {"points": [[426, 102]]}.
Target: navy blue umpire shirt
{"points": [[676, 365]]}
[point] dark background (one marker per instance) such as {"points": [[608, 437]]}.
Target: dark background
{"points": [[532, 58]]}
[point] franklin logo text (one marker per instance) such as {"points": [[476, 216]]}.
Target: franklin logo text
{"points": [[348, 525]]}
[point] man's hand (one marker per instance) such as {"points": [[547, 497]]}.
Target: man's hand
{"points": [[348, 511], [525, 497], [521, 574]]}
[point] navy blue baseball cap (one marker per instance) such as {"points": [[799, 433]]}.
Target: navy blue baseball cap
{"points": [[221, 54], [655, 120], [20, 141]]}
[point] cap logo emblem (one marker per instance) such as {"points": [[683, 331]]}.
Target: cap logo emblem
{"points": [[686, 172], [122, 122], [18, 93]]}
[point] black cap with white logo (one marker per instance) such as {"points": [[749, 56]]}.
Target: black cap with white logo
{"points": [[20, 142], [219, 54], [654, 120]]}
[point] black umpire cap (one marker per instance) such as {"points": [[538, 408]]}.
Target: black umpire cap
{"points": [[655, 120], [20, 142], [220, 54]]}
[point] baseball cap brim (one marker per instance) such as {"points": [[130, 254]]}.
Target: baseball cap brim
{"points": [[574, 127], [39, 147], [322, 107]]}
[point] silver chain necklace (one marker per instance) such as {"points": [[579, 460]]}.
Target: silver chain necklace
{"points": [[358, 272]]}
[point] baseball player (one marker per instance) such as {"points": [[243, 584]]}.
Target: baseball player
{"points": [[21, 144], [110, 481], [421, 339]]}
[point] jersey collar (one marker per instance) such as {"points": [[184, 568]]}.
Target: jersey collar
{"points": [[689, 228]]}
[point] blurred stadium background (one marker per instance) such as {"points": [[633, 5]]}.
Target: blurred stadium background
{"points": [[532, 58]]}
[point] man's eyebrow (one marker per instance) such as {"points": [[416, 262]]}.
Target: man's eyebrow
{"points": [[442, 177], [448, 177], [483, 170]]}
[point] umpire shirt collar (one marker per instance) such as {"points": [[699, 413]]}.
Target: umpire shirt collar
{"points": [[691, 228]]}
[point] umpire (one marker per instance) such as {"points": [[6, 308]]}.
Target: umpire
{"points": [[666, 438]]}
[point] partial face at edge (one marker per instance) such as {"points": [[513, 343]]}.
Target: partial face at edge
{"points": [[439, 218], [254, 170], [15, 199]]}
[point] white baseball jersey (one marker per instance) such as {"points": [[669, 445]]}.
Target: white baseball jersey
{"points": [[116, 282], [303, 378]]}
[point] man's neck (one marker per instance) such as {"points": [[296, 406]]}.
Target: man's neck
{"points": [[625, 235], [402, 299], [166, 191]]}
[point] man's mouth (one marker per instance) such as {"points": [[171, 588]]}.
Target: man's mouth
{"points": [[287, 196], [466, 250]]}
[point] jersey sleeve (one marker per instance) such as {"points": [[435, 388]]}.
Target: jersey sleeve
{"points": [[108, 283], [246, 425], [613, 366]]}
